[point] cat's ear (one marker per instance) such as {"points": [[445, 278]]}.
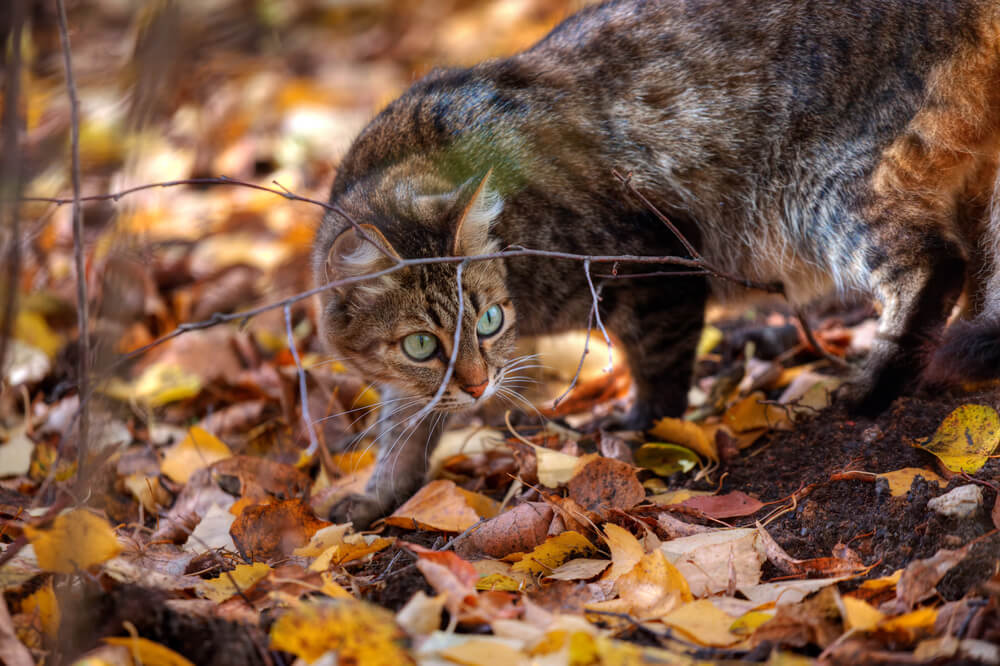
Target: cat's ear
{"points": [[353, 255], [480, 207]]}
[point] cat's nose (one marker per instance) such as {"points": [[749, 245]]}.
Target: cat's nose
{"points": [[477, 390]]}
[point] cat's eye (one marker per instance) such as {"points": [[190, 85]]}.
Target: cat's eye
{"points": [[420, 346], [490, 322]]}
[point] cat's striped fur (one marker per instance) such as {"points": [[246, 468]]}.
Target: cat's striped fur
{"points": [[831, 145]]}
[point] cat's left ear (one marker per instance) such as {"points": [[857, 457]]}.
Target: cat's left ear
{"points": [[481, 205]]}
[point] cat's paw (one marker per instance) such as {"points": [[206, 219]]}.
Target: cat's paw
{"points": [[361, 510]]}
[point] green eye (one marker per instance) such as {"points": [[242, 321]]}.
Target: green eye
{"points": [[420, 346], [490, 322]]}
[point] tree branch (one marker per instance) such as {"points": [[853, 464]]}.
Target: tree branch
{"points": [[10, 178], [82, 313], [306, 418]]}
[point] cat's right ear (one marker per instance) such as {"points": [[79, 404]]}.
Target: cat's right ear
{"points": [[360, 251]]}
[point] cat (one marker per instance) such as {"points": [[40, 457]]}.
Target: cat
{"points": [[846, 146]]}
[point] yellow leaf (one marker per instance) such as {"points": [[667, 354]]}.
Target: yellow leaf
{"points": [[332, 588], [243, 577], [883, 582], [747, 623], [163, 383], [651, 589], [556, 550], [148, 491], [678, 496], [709, 340], [554, 467], [686, 433], [199, 449], [498, 582], [42, 604], [702, 622], [483, 652], [147, 652], [900, 480], [349, 551], [665, 459], [860, 615], [750, 414], [909, 626], [350, 462], [331, 535], [355, 631], [76, 541], [31, 327], [966, 438], [626, 551]]}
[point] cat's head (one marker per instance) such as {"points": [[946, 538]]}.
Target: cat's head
{"points": [[398, 329]]}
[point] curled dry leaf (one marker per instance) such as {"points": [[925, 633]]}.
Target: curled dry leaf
{"points": [[604, 485], [848, 562], [268, 531], [147, 652], [920, 578], [519, 530], [650, 590], [626, 551], [687, 434], [441, 505]]}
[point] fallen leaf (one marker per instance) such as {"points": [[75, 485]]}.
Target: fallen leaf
{"points": [[269, 531], [703, 623], [665, 459], [147, 652], [521, 529], [651, 589], [421, 615], [485, 652], [198, 449], [578, 569], [237, 581], [76, 541], [751, 413], [554, 552], [713, 561], [354, 631], [555, 468], [920, 578], [212, 532], [604, 485], [966, 438], [860, 615], [900, 480], [441, 505], [15, 453], [626, 551], [787, 591], [730, 505], [687, 434]]}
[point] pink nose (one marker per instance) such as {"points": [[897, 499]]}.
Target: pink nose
{"points": [[477, 390]]}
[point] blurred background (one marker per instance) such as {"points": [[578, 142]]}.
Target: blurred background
{"points": [[269, 92]]}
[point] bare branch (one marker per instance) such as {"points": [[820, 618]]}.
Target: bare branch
{"points": [[450, 370], [597, 315], [583, 357], [836, 361], [304, 396], [82, 314], [700, 261], [10, 177]]}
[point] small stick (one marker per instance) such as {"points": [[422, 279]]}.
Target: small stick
{"points": [[82, 317], [304, 396], [597, 315], [454, 350], [583, 357]]}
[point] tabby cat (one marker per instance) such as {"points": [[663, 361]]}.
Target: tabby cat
{"points": [[829, 145]]}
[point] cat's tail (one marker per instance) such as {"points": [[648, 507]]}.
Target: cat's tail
{"points": [[970, 351]]}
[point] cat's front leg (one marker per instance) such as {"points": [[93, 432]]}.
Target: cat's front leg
{"points": [[659, 323], [405, 441]]}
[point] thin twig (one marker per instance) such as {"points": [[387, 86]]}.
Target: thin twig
{"points": [[583, 357], [699, 260], [597, 315], [304, 396], [836, 361], [10, 177], [82, 316], [454, 350]]}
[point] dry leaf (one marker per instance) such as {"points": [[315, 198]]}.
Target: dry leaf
{"points": [[198, 449], [147, 652], [554, 552], [441, 505], [966, 438], [76, 541], [237, 581], [604, 485], [687, 434], [702, 622], [651, 589], [900, 480], [713, 561], [268, 531]]}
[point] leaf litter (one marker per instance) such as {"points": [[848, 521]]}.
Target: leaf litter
{"points": [[762, 526]]}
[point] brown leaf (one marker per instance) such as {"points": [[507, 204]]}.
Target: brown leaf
{"points": [[604, 485], [920, 578], [519, 530], [269, 531], [730, 505], [261, 479]]}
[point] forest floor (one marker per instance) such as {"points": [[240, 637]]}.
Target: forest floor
{"points": [[771, 524]]}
